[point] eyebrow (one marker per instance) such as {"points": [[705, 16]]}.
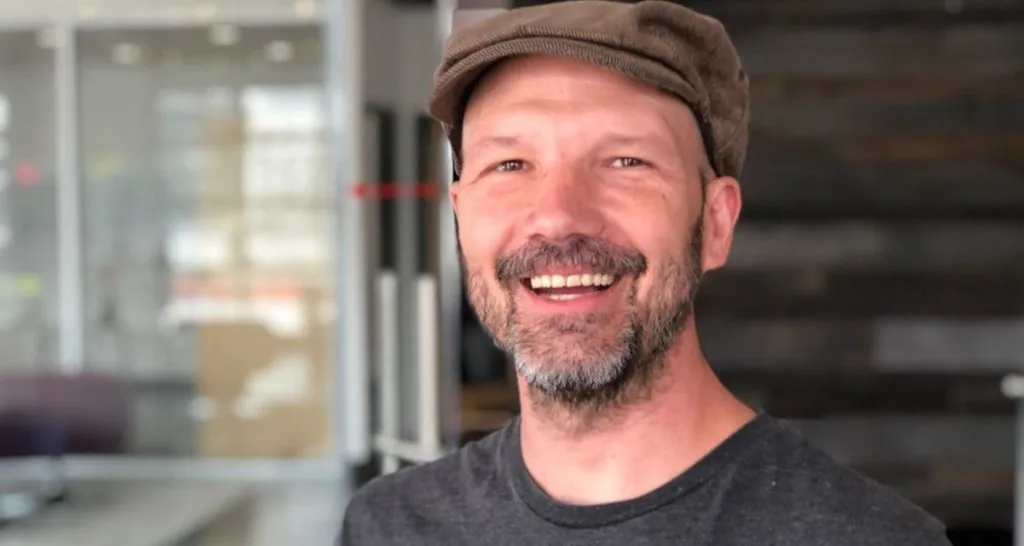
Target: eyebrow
{"points": [[494, 141], [626, 139], [613, 139]]}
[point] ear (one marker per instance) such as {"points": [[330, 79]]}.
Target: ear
{"points": [[453, 196], [721, 213]]}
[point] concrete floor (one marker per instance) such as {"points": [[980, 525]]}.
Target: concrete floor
{"points": [[272, 516], [163, 513]]}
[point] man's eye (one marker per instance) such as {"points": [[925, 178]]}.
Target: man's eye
{"points": [[510, 165], [626, 162]]}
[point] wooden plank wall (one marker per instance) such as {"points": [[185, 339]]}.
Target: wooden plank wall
{"points": [[893, 121], [883, 227], [875, 292], [884, 192], [898, 108]]}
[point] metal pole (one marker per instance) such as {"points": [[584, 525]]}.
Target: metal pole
{"points": [[450, 307], [445, 13], [69, 203], [406, 247], [449, 280], [450, 16], [430, 428], [387, 352], [1013, 387], [1018, 510], [344, 41]]}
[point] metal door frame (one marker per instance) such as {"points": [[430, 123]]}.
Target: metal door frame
{"points": [[439, 342]]}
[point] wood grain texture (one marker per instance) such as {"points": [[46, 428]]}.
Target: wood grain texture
{"points": [[897, 246], [807, 394], [876, 344], [883, 194], [854, 294], [891, 121]]}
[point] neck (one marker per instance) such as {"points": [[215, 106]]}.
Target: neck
{"points": [[643, 445]]}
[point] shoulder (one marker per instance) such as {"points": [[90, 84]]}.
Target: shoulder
{"points": [[395, 505], [826, 497]]}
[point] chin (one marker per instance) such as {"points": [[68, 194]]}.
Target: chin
{"points": [[575, 366]]}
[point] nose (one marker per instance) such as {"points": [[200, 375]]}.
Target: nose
{"points": [[565, 205]]}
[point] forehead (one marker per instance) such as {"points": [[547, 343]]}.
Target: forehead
{"points": [[552, 87], [526, 71]]}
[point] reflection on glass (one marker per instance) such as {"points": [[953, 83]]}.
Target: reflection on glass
{"points": [[28, 222], [207, 241]]}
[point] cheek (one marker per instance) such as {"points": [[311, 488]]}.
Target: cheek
{"points": [[483, 233], [649, 214], [664, 240]]}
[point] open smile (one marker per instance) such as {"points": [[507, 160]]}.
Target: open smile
{"points": [[570, 290]]}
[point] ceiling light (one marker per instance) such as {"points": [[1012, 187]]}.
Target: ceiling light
{"points": [[224, 35], [279, 51], [126, 53], [47, 38]]}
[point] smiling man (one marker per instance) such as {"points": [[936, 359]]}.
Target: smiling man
{"points": [[598, 148]]}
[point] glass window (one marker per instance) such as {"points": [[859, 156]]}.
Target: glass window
{"points": [[208, 250], [29, 305]]}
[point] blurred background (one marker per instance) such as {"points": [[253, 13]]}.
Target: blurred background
{"points": [[229, 291]]}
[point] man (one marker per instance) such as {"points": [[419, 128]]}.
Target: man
{"points": [[598, 147]]}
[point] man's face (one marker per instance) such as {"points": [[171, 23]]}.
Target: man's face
{"points": [[580, 224]]}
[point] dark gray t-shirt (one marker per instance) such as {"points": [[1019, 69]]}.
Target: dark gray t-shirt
{"points": [[763, 486]]}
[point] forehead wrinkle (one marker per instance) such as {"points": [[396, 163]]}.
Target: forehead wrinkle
{"points": [[511, 88]]}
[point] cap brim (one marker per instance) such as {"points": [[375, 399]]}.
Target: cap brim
{"points": [[453, 85]]}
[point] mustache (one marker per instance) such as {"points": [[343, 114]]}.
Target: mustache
{"points": [[576, 251]]}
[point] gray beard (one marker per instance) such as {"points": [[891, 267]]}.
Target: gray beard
{"points": [[596, 372], [604, 373]]}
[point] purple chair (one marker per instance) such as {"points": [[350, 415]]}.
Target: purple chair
{"points": [[52, 414]]}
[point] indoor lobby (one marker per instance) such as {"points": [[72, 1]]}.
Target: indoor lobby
{"points": [[230, 290]]}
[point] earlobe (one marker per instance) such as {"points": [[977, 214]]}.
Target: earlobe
{"points": [[721, 213]]}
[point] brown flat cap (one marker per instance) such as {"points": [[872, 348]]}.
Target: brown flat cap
{"points": [[663, 44]]}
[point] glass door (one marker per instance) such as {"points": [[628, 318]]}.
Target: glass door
{"points": [[209, 271], [29, 298]]}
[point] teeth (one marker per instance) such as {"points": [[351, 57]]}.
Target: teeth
{"points": [[563, 297], [571, 281]]}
